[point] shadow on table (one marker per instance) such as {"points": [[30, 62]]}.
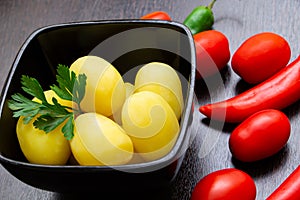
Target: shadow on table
{"points": [[265, 166]]}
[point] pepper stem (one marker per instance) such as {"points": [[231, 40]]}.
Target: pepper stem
{"points": [[210, 6]]}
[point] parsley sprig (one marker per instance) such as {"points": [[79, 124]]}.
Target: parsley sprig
{"points": [[50, 116]]}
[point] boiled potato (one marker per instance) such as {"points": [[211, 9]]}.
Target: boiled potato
{"points": [[44, 148], [117, 115], [129, 89], [151, 123], [161, 79], [105, 90], [100, 141]]}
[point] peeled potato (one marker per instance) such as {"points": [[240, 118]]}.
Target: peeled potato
{"points": [[105, 90], [100, 141], [44, 148], [129, 89], [151, 123], [117, 115], [161, 79]]}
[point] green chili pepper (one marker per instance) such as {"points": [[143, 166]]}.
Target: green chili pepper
{"points": [[200, 19]]}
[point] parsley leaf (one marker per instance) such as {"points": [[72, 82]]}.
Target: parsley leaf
{"points": [[32, 87], [48, 122], [65, 82], [69, 86], [68, 128], [50, 116], [24, 107]]}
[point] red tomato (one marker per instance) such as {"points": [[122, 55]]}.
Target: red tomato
{"points": [[261, 135], [260, 57], [225, 184], [212, 52], [160, 15]]}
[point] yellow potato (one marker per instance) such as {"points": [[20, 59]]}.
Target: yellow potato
{"points": [[40, 147], [129, 89], [161, 79], [105, 90], [100, 141], [117, 115], [151, 123], [166, 93]]}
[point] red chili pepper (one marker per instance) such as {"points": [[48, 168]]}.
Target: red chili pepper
{"points": [[157, 15], [277, 92], [289, 189]]}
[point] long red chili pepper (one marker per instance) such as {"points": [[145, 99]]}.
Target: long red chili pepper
{"points": [[289, 189], [277, 92], [157, 15]]}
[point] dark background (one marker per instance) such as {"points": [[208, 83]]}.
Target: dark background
{"points": [[237, 19]]}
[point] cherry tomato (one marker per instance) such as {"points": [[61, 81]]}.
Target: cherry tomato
{"points": [[225, 184], [260, 57], [261, 135], [212, 52], [160, 15]]}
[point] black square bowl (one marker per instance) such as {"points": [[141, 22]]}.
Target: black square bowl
{"points": [[126, 44]]}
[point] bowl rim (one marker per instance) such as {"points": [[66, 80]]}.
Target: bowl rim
{"points": [[170, 157]]}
